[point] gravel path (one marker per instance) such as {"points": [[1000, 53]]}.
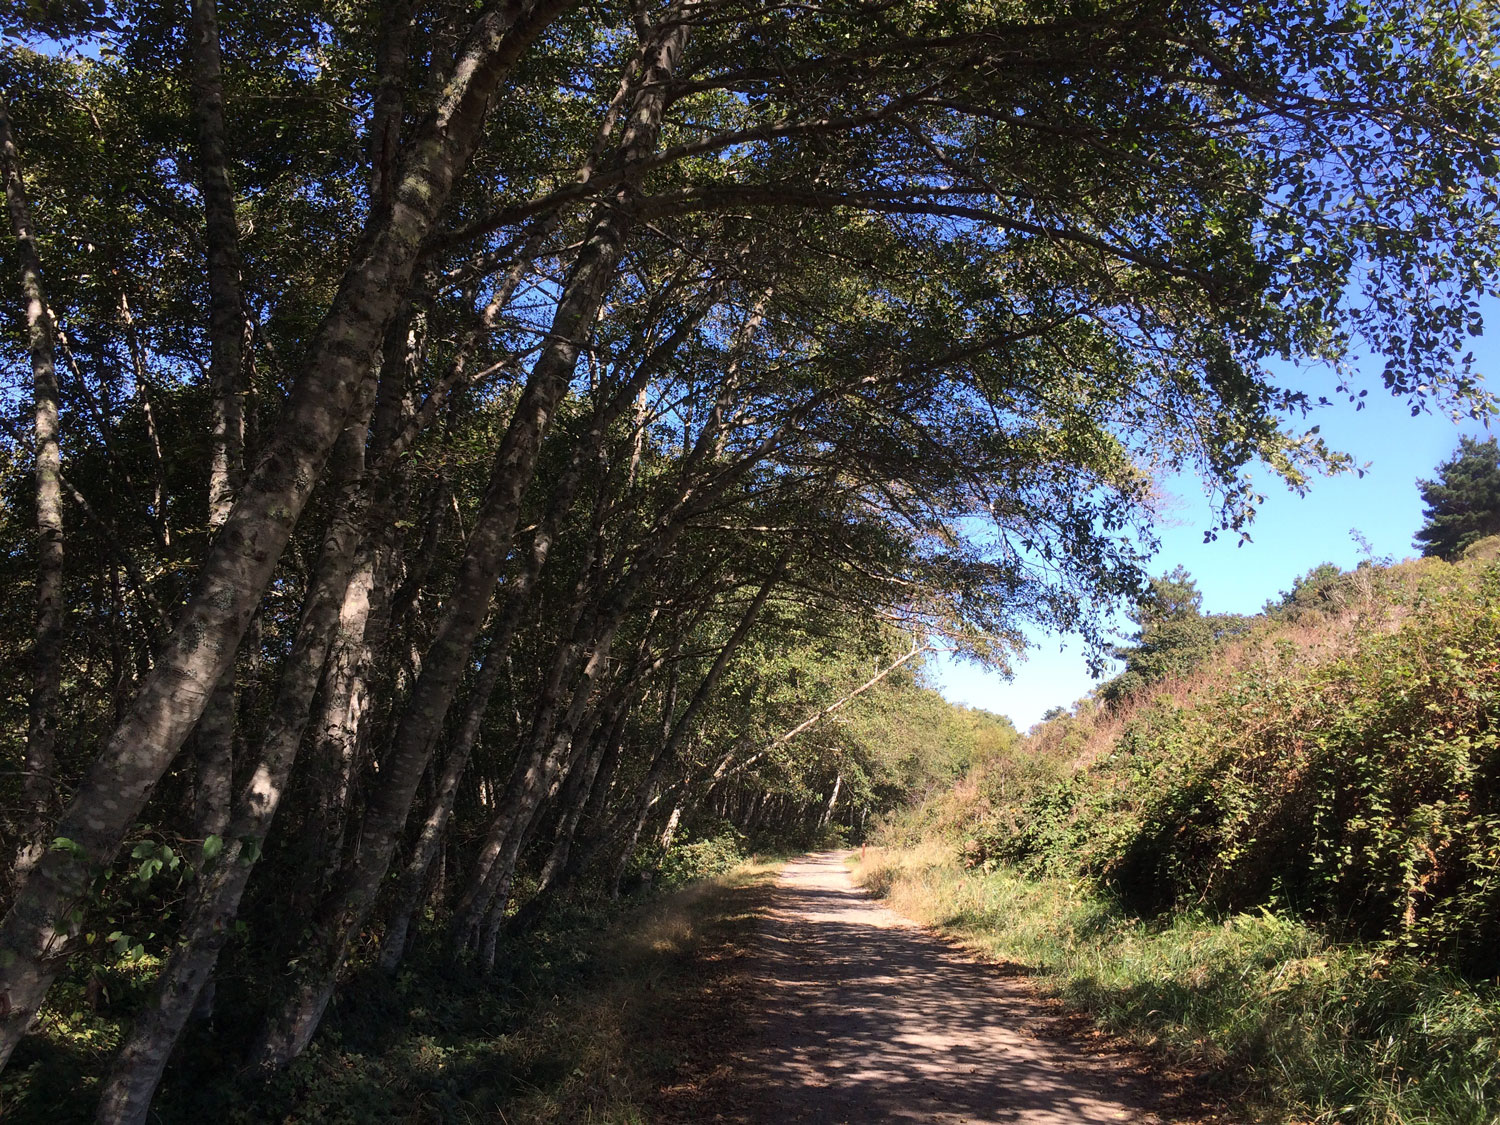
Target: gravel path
{"points": [[866, 1017]]}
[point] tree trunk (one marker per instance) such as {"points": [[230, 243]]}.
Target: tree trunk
{"points": [[531, 763], [818, 716], [39, 930], [670, 830], [385, 117], [342, 720], [575, 861], [833, 800], [411, 747], [537, 789], [600, 744], [516, 603], [137, 1068], [666, 757], [41, 733], [213, 741]]}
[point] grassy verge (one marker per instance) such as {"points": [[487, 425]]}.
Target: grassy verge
{"points": [[1320, 1032], [580, 1027]]}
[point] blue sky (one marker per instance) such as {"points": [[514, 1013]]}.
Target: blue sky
{"points": [[1290, 536]]}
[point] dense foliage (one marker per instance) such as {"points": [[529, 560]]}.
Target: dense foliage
{"points": [[1173, 636], [1462, 506], [1338, 765], [1283, 864], [455, 451]]}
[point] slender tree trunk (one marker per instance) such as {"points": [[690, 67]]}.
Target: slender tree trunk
{"points": [[46, 672], [148, 415], [39, 930], [537, 788], [531, 761], [598, 743], [593, 272], [226, 309], [334, 742], [213, 741], [666, 756], [833, 800], [670, 831], [127, 1094], [575, 802], [578, 860], [725, 770], [384, 140], [509, 619], [495, 866], [364, 625]]}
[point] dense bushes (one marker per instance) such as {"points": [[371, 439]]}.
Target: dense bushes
{"points": [[1340, 764], [1282, 863]]}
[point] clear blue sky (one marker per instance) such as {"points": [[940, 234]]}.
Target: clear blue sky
{"points": [[1291, 535]]}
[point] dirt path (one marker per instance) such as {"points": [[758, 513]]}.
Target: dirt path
{"points": [[866, 1017]]}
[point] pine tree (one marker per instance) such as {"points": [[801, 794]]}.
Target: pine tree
{"points": [[1463, 504], [1173, 635]]}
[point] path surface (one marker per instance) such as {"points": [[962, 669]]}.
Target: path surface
{"points": [[867, 1018]]}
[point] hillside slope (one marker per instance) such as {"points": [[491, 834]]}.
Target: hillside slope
{"points": [[1281, 857]]}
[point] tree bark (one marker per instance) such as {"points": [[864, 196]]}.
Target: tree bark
{"points": [[226, 328], [46, 672], [516, 602], [833, 800], [42, 924], [538, 786], [389, 102], [126, 1096], [213, 741], [593, 271], [575, 861], [666, 756]]}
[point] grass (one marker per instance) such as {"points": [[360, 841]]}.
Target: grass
{"points": [[578, 1028], [1317, 1031]]}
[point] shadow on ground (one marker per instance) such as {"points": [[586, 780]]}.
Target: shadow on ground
{"points": [[860, 1016]]}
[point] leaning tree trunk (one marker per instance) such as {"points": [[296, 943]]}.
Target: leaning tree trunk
{"points": [[833, 800], [574, 861], [406, 760], [330, 763], [39, 930], [496, 864], [46, 672], [530, 761], [597, 744], [138, 1067], [509, 619], [666, 756], [538, 789]]}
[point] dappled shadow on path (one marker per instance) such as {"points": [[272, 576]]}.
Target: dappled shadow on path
{"points": [[867, 1018]]}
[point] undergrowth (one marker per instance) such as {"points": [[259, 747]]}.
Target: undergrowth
{"points": [[1319, 1030], [570, 1030]]}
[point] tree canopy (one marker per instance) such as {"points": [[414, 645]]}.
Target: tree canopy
{"points": [[1462, 506], [1173, 635], [454, 445]]}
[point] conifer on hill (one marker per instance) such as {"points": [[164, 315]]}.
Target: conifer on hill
{"points": [[1463, 504]]}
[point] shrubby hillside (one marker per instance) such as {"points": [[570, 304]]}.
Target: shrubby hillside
{"points": [[1280, 856]]}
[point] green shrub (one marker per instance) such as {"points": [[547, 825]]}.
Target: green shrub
{"points": [[719, 848], [1350, 778]]}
